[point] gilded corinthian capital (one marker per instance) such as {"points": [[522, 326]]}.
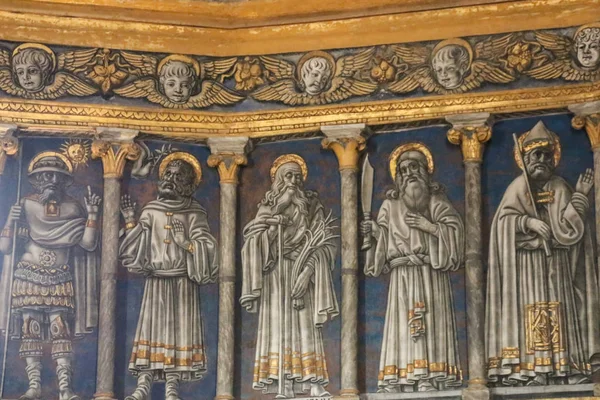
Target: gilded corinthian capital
{"points": [[470, 131], [587, 116], [115, 146]]}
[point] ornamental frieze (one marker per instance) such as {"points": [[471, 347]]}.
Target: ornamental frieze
{"points": [[174, 81]]}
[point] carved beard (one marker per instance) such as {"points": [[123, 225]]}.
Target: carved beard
{"points": [[291, 194], [50, 192], [415, 192], [540, 171], [171, 191]]}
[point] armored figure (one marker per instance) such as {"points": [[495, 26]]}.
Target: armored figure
{"points": [[54, 293], [172, 247]]}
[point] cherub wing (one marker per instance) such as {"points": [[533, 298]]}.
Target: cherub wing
{"points": [[415, 78], [213, 93], [278, 69], [145, 63], [213, 69], [4, 58], [76, 61], [559, 45], [562, 68], [63, 84], [283, 91], [482, 71], [411, 55], [344, 88], [144, 88], [492, 49], [347, 66]]}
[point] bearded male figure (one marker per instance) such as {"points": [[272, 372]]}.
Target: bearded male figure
{"points": [[54, 287], [542, 308], [419, 240], [172, 247], [287, 278]]}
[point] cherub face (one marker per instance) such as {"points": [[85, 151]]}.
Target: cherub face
{"points": [[30, 76], [315, 75], [177, 81], [449, 66], [587, 45]]}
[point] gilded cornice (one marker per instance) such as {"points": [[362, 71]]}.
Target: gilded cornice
{"points": [[48, 117], [30, 21]]}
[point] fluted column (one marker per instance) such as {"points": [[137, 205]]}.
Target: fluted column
{"points": [[471, 131], [114, 146], [228, 154], [347, 143], [9, 145], [587, 116]]}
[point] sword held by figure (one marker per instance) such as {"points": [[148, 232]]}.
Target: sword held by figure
{"points": [[366, 197]]}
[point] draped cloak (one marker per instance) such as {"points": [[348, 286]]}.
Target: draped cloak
{"points": [[419, 338], [302, 341], [541, 312], [58, 232], [169, 335]]}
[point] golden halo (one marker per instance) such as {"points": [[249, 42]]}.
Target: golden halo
{"points": [[287, 158], [181, 58], [557, 149], [38, 46], [582, 27], [314, 54], [416, 146], [456, 42], [188, 158], [50, 154]]}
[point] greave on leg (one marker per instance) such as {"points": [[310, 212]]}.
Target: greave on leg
{"points": [[34, 374], [172, 387], [144, 383]]}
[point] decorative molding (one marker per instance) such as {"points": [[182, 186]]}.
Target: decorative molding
{"points": [[27, 20], [38, 116]]}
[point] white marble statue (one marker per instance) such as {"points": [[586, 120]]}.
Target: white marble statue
{"points": [[542, 323], [418, 238], [171, 245], [287, 258]]}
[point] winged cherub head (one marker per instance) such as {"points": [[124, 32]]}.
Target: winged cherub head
{"points": [[316, 73], [450, 65], [587, 47], [177, 80], [32, 67]]}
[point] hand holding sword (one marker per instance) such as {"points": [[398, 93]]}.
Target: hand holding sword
{"points": [[366, 196]]}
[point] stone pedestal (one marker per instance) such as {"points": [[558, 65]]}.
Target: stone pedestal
{"points": [[228, 154], [347, 143], [114, 147]]}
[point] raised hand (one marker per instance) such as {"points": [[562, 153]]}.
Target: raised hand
{"points": [[539, 227], [128, 208], [179, 235], [585, 182], [92, 202]]}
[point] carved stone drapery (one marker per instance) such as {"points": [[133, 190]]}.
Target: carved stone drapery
{"points": [[114, 147], [228, 154], [347, 143], [471, 131]]}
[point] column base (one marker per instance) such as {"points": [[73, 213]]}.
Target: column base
{"points": [[104, 396], [346, 397], [224, 397], [596, 389], [476, 391]]}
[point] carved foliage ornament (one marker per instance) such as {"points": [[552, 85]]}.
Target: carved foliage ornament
{"points": [[451, 66]]}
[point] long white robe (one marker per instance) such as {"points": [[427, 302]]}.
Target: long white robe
{"points": [[169, 335], [542, 312], [419, 339], [268, 286]]}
